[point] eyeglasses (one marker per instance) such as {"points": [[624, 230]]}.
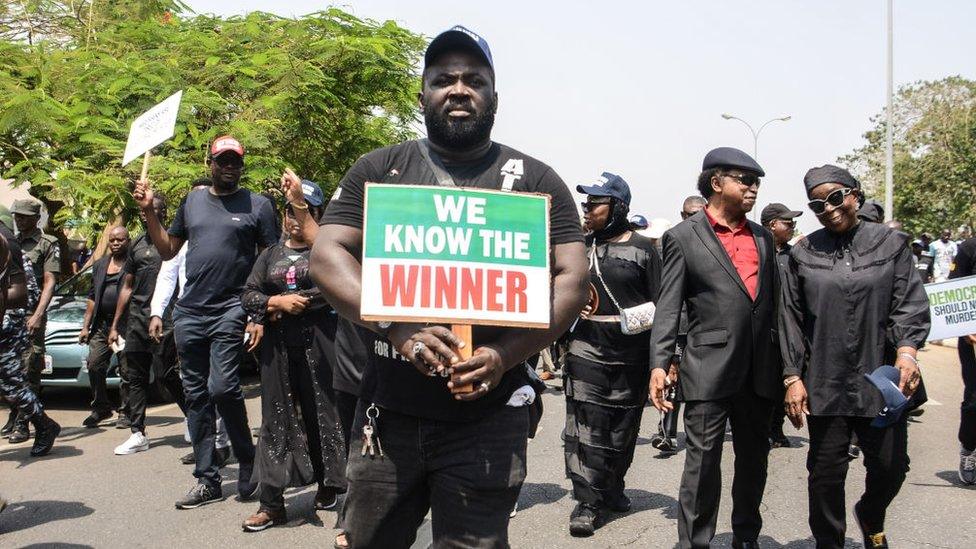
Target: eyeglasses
{"points": [[790, 223], [229, 161], [835, 199], [746, 179], [590, 205]]}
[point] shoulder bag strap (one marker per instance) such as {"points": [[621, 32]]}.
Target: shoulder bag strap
{"points": [[595, 260], [444, 179]]}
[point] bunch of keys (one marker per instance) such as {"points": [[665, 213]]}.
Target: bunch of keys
{"points": [[371, 436]]}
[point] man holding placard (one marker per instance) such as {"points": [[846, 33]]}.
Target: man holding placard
{"points": [[418, 442], [224, 225]]}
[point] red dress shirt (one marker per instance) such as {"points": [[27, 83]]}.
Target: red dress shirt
{"points": [[741, 247]]}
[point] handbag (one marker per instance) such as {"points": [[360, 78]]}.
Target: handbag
{"points": [[633, 320]]}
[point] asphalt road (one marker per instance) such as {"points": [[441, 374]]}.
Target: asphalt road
{"points": [[84, 496]]}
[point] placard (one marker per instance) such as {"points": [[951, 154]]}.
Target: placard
{"points": [[455, 255], [952, 305]]}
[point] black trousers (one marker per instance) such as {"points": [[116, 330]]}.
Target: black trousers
{"points": [[967, 412], [468, 474], [701, 481], [885, 454], [99, 359], [139, 365]]}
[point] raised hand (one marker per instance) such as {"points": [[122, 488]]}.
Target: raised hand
{"points": [[291, 186], [143, 194]]}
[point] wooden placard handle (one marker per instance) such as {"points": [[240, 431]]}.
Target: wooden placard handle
{"points": [[145, 166], [463, 331]]}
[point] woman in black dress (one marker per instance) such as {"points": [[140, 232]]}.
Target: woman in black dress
{"points": [[852, 301], [606, 371], [301, 440]]}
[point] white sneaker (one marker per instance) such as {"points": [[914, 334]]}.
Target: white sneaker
{"points": [[136, 443]]}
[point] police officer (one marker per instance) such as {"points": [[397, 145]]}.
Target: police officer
{"points": [[44, 253], [17, 293]]}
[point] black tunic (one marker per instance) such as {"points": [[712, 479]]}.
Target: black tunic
{"points": [[283, 458], [849, 302], [143, 264]]}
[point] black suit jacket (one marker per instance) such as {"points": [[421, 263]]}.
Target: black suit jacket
{"points": [[732, 338]]}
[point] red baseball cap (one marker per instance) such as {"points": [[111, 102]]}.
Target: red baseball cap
{"points": [[226, 143]]}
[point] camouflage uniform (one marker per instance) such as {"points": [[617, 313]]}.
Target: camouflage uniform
{"points": [[44, 252], [14, 343]]}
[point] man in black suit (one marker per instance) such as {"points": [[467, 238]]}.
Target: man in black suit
{"points": [[722, 267]]}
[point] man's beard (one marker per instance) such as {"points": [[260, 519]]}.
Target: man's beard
{"points": [[460, 134]]}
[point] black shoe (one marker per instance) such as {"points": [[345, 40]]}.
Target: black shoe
{"points": [[584, 520], [188, 459], [779, 441], [199, 495], [326, 498], [8, 427], [222, 456], [246, 487], [619, 504], [875, 540], [45, 431], [657, 439], [736, 544], [123, 422], [95, 418], [668, 446], [21, 432]]}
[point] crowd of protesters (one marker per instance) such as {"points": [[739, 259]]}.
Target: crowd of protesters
{"points": [[718, 314]]}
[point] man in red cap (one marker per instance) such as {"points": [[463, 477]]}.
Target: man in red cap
{"points": [[224, 226]]}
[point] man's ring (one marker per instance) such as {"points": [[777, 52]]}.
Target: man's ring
{"points": [[485, 386], [418, 347]]}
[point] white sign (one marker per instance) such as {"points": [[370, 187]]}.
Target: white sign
{"points": [[152, 128], [953, 307]]}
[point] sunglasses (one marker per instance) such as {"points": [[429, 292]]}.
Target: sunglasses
{"points": [[590, 205], [788, 222], [229, 161], [746, 179], [835, 199]]}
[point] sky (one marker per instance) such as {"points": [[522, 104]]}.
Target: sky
{"points": [[638, 88]]}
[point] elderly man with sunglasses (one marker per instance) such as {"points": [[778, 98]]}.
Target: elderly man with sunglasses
{"points": [[225, 226], [721, 268]]}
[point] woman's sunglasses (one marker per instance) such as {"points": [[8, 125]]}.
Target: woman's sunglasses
{"points": [[746, 179], [835, 199], [590, 205]]}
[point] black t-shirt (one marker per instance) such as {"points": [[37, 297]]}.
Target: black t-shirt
{"points": [[389, 380], [110, 298], [223, 234], [964, 264], [632, 271], [143, 264]]}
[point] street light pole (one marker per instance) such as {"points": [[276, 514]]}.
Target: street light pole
{"points": [[755, 133], [889, 145]]}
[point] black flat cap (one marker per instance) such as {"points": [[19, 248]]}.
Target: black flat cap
{"points": [[728, 157], [777, 211], [828, 173]]}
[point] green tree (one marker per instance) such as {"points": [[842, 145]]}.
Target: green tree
{"points": [[935, 155], [313, 93]]}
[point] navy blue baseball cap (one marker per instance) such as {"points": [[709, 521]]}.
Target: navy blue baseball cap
{"points": [[608, 185], [638, 221], [728, 157], [459, 38], [886, 379], [313, 193]]}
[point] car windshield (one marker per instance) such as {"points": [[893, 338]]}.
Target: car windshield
{"points": [[79, 285], [72, 313]]}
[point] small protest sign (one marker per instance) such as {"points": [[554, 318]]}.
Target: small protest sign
{"points": [[455, 255], [152, 127], [952, 305]]}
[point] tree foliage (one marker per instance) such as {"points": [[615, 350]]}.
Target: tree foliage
{"points": [[313, 93], [935, 155]]}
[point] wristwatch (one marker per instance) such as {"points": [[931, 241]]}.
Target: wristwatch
{"points": [[790, 380]]}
